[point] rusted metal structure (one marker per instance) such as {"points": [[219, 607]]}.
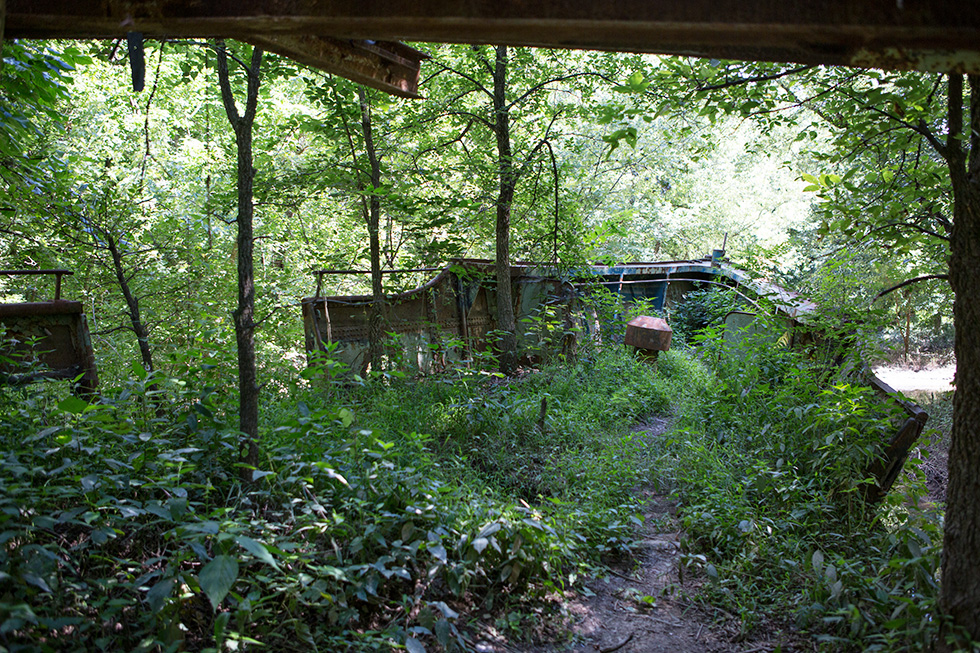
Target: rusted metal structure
{"points": [[910, 426], [648, 336], [358, 40], [909, 420], [939, 35], [459, 304], [46, 340], [386, 65], [453, 315], [448, 318]]}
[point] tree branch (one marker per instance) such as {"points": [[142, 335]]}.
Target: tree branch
{"points": [[759, 78], [910, 225], [477, 85], [223, 81], [472, 116], [953, 152], [538, 87], [909, 282]]}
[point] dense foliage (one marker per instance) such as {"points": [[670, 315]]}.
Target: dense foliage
{"points": [[378, 512], [382, 512], [772, 470]]}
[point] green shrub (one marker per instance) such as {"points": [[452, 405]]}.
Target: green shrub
{"points": [[771, 468]]}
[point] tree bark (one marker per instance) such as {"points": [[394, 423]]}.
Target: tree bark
{"points": [[960, 589], [373, 224], [244, 314], [506, 322], [132, 305]]}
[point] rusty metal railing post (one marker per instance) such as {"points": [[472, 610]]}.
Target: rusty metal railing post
{"points": [[57, 277]]}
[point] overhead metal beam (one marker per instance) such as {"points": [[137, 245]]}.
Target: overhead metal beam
{"points": [[384, 65], [923, 34]]}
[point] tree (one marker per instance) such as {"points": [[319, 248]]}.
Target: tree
{"points": [[961, 544], [244, 314], [510, 99], [508, 177], [373, 217]]}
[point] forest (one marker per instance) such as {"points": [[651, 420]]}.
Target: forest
{"points": [[223, 488]]}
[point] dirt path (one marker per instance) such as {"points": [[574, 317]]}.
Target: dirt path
{"points": [[644, 605]]}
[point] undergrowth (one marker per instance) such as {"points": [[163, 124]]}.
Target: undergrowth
{"points": [[385, 511], [381, 510], [771, 467]]}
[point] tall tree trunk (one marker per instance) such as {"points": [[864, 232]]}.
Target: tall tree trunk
{"points": [[505, 198], [244, 315], [960, 590], [132, 305], [373, 216], [3, 27]]}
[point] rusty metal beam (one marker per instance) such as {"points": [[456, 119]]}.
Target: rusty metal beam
{"points": [[387, 66], [924, 34]]}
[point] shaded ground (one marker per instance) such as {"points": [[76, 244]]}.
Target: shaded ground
{"points": [[645, 605], [648, 605]]}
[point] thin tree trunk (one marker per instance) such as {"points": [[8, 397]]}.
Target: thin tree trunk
{"points": [[505, 198], [132, 305], [960, 589], [244, 315], [373, 223]]}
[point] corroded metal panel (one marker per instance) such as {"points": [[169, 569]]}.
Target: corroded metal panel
{"points": [[46, 340], [650, 333], [386, 66], [447, 318]]}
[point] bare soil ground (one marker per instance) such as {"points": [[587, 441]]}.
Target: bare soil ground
{"points": [[646, 604]]}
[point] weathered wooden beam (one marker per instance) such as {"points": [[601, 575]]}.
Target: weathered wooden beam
{"points": [[388, 66], [924, 34]]}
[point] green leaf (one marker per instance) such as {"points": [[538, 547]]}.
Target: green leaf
{"points": [[443, 631], [346, 416], [159, 593], [138, 371], [73, 405], [258, 550], [217, 577], [438, 552], [446, 611], [414, 645], [37, 581]]}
